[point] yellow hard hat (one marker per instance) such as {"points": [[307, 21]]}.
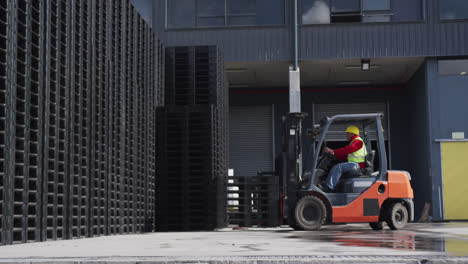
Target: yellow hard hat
{"points": [[353, 130]]}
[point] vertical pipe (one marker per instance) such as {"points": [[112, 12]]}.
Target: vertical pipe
{"points": [[295, 46], [294, 73]]}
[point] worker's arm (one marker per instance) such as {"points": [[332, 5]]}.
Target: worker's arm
{"points": [[342, 153]]}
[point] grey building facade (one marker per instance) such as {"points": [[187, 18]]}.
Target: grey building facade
{"points": [[418, 53]]}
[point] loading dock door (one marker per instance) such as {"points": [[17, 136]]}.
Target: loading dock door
{"points": [[454, 179], [250, 139]]}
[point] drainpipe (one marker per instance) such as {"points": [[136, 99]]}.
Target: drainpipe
{"points": [[294, 76]]}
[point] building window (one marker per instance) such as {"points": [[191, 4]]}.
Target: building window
{"points": [[210, 13], [453, 68], [376, 11], [241, 12], [345, 11], [453, 9], [222, 13], [375, 5], [181, 13]]}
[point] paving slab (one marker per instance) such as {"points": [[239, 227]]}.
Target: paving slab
{"points": [[352, 243]]}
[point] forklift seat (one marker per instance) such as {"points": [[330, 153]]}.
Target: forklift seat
{"points": [[367, 171], [370, 157]]}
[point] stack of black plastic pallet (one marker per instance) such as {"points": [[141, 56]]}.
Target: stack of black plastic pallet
{"points": [[80, 82], [254, 201], [192, 142]]}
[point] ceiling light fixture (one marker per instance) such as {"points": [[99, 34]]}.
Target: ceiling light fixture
{"points": [[350, 67], [236, 70], [238, 86], [365, 64], [353, 83], [356, 67]]}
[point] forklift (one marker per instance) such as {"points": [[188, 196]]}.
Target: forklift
{"points": [[375, 196]]}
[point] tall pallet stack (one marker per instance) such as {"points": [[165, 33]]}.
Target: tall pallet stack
{"points": [[192, 142], [79, 86]]}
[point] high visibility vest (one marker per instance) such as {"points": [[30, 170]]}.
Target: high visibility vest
{"points": [[359, 156]]}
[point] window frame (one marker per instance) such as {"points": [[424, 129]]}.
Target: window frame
{"points": [[226, 25], [446, 20], [376, 10], [419, 21]]}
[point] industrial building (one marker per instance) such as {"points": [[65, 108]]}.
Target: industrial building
{"points": [[417, 54]]}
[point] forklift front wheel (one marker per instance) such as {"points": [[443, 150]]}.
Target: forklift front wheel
{"points": [[310, 213], [397, 216]]}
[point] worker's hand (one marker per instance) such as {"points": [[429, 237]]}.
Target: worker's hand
{"points": [[329, 150]]}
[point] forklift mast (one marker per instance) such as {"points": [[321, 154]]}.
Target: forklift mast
{"points": [[291, 162]]}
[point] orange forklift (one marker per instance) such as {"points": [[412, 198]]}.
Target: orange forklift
{"points": [[375, 196]]}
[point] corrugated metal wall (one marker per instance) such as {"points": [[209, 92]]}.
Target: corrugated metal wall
{"points": [[250, 139], [244, 44], [412, 39]]}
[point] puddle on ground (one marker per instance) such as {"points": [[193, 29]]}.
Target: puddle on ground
{"points": [[399, 240]]}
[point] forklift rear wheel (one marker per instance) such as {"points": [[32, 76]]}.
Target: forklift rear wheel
{"points": [[310, 213], [376, 225], [397, 216]]}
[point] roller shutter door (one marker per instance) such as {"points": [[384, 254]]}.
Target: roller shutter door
{"points": [[250, 139], [336, 131]]}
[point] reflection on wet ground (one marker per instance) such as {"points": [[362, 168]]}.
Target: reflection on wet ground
{"points": [[411, 239]]}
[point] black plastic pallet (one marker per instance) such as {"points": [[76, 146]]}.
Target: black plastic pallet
{"points": [[254, 200], [70, 167]]}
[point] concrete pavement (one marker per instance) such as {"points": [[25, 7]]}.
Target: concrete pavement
{"points": [[352, 243]]}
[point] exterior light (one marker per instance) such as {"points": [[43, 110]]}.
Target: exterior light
{"points": [[365, 65], [462, 73]]}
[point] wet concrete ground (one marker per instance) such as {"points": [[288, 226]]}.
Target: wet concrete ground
{"points": [[352, 243]]}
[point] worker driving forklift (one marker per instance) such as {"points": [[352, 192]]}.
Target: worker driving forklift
{"points": [[325, 190], [355, 154]]}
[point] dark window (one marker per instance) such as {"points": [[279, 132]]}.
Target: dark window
{"points": [[210, 13], [375, 5], [242, 12], [376, 11], [215, 13], [270, 12], [453, 67], [336, 11], [453, 9], [343, 11], [404, 10], [346, 6], [181, 13]]}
